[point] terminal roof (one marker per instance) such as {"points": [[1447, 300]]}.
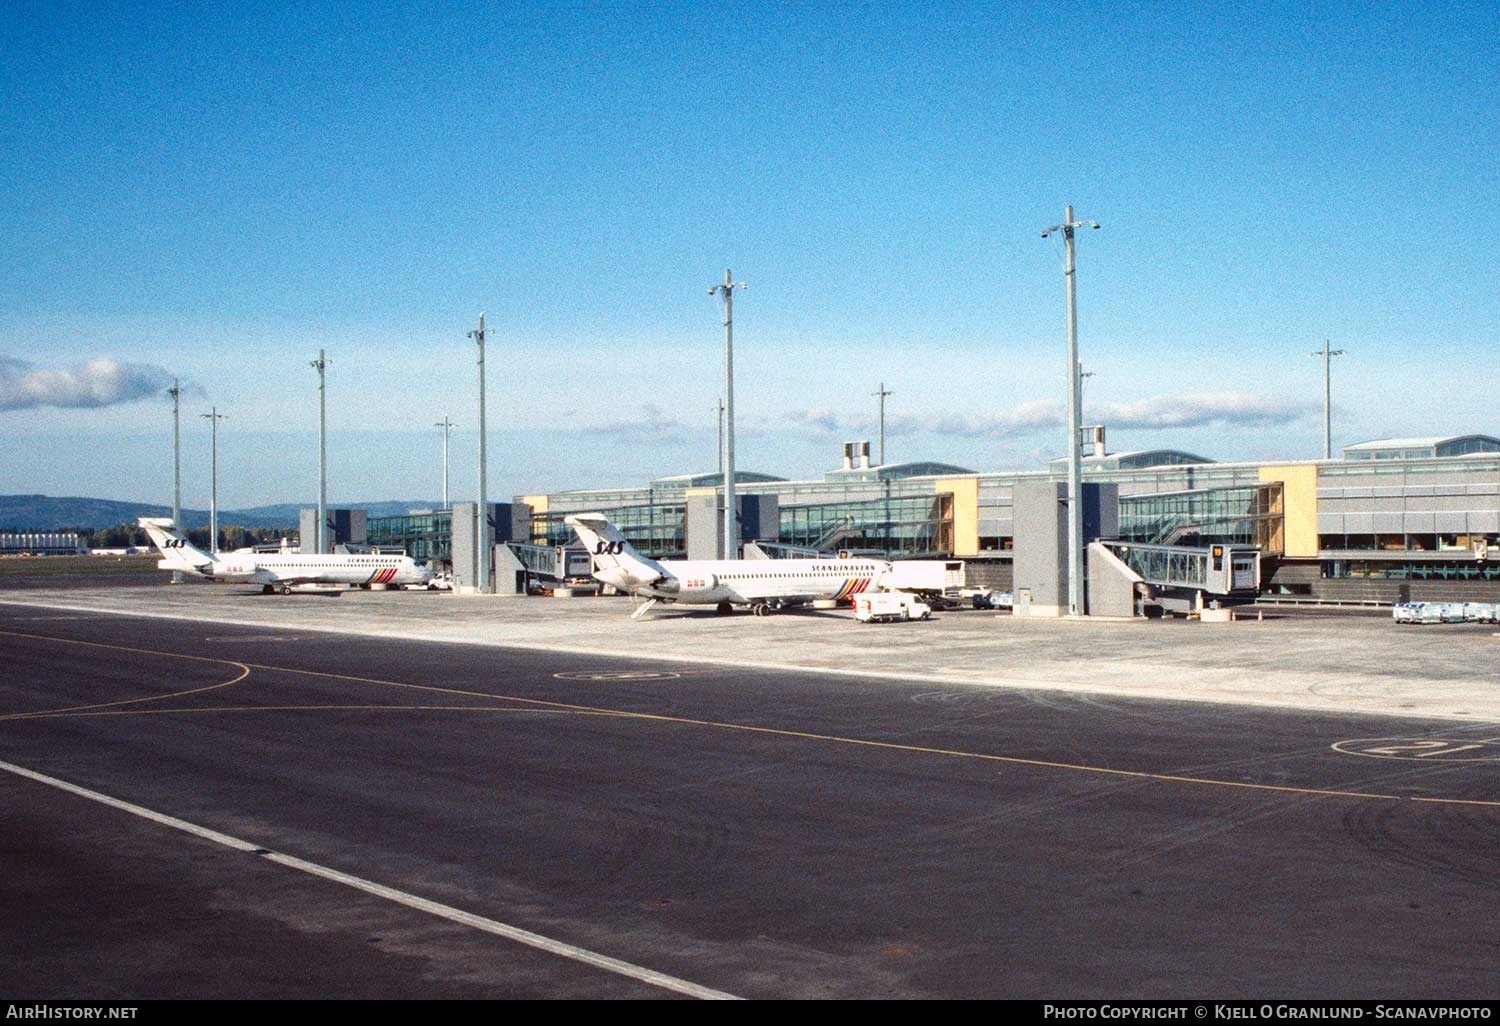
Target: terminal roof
{"points": [[1428, 445]]}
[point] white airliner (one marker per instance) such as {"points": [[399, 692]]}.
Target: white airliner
{"points": [[275, 572], [764, 585]]}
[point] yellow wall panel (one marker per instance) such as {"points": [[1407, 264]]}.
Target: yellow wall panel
{"points": [[965, 513], [1299, 496]]}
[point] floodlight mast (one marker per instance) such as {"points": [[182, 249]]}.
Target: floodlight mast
{"points": [[321, 535], [447, 426], [726, 292], [482, 515], [176, 393], [1327, 355], [881, 395], [1075, 419], [719, 406], [213, 417]]}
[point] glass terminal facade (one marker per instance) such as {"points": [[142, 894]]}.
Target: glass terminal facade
{"points": [[655, 529], [905, 527], [1246, 515], [426, 537], [1409, 570]]}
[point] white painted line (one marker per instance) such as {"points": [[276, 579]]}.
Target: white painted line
{"points": [[514, 933], [520, 936], [252, 637], [134, 810]]}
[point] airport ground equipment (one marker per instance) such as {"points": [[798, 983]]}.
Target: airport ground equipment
{"points": [[987, 598], [1446, 612], [889, 607], [553, 562], [1181, 577], [1220, 570], [1212, 569], [926, 576]]}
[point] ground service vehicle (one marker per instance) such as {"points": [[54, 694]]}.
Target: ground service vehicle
{"points": [[889, 607]]}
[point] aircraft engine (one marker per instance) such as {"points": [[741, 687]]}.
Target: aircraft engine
{"points": [[235, 568], [705, 582], [686, 585]]}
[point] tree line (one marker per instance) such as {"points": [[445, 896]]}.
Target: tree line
{"points": [[124, 536]]}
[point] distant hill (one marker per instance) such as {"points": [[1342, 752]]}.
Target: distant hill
{"points": [[55, 513]]}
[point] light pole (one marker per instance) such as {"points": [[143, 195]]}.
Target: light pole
{"points": [[176, 393], [1075, 419], [1327, 355], [482, 515], [447, 425], [321, 365], [720, 408], [1083, 378], [882, 394], [726, 292], [213, 417]]}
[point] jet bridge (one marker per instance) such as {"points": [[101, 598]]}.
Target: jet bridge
{"points": [[1177, 574], [553, 562]]}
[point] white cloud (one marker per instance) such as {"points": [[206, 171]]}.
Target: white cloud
{"points": [[1022, 420], [1229, 409], [652, 427], [1036, 415], [98, 382], [824, 422], [1161, 412]]}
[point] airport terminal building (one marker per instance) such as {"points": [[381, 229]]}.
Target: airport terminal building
{"points": [[1390, 518]]}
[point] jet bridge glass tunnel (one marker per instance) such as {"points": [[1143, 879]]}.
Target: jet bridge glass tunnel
{"points": [[916, 525], [1245, 515]]}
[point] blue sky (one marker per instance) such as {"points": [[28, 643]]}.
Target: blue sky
{"points": [[218, 191]]}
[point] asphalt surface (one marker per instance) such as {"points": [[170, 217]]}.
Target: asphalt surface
{"points": [[1342, 664], [764, 833]]}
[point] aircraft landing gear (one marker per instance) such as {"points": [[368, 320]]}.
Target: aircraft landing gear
{"points": [[286, 589], [762, 609]]}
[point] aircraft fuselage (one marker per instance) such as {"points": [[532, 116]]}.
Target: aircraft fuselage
{"points": [[748, 581]]}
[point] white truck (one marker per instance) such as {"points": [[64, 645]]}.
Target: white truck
{"points": [[889, 607], [937, 576], [936, 581]]}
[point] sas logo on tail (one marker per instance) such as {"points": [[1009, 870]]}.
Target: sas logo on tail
{"points": [[609, 548]]}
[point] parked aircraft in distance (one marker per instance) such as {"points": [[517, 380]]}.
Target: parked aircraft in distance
{"points": [[764, 585], [275, 572]]}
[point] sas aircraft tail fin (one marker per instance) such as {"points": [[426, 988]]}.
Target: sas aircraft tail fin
{"points": [[615, 560], [177, 553]]}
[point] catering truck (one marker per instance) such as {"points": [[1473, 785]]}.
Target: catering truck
{"points": [[937, 581], [889, 607]]}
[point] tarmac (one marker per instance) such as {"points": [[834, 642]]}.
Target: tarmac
{"points": [[214, 793], [1358, 663]]}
